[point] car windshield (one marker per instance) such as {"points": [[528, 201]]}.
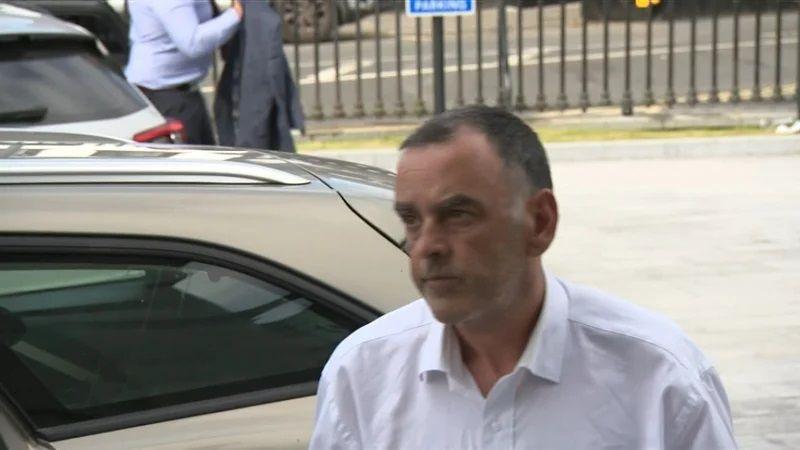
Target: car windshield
{"points": [[60, 84]]}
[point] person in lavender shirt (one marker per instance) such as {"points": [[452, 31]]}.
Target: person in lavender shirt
{"points": [[172, 48]]}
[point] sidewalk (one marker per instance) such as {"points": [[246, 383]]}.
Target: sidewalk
{"points": [[712, 244], [766, 115]]}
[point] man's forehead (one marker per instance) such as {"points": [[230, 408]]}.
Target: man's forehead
{"points": [[445, 200], [441, 172], [464, 151], [433, 183]]}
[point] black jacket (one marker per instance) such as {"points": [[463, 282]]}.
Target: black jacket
{"points": [[257, 103]]}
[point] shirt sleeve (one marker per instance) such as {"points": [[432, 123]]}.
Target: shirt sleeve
{"points": [[332, 431], [705, 422], [193, 38]]}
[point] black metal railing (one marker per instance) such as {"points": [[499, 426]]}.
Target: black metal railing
{"points": [[589, 54]]}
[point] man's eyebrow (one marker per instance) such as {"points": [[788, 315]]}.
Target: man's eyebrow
{"points": [[403, 207], [458, 201]]}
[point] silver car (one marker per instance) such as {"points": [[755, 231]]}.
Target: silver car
{"points": [[56, 76], [156, 297]]}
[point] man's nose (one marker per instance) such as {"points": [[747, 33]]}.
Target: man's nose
{"points": [[431, 242]]}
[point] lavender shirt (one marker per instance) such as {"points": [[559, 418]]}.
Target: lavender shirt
{"points": [[173, 41]]}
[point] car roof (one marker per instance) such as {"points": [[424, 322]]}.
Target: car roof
{"points": [[111, 161], [28, 145], [19, 21], [365, 189]]}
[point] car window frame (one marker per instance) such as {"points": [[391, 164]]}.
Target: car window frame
{"points": [[14, 433], [253, 265]]}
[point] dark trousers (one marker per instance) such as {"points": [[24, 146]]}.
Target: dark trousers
{"points": [[186, 104]]}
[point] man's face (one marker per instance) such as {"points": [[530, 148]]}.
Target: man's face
{"points": [[466, 226]]}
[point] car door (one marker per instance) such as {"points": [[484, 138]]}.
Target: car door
{"points": [[160, 343]]}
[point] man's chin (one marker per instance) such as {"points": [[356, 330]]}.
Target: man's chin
{"points": [[446, 311]]}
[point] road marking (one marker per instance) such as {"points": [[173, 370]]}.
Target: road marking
{"points": [[328, 75], [529, 56], [451, 56]]}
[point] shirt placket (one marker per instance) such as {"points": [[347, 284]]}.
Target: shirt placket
{"points": [[498, 416]]}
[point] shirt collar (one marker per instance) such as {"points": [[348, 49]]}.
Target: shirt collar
{"points": [[543, 355], [435, 349]]}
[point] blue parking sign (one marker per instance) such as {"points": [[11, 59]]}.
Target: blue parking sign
{"points": [[424, 8]]}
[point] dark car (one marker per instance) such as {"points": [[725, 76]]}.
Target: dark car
{"points": [[97, 16]]}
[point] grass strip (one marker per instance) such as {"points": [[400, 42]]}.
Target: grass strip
{"points": [[546, 134]]}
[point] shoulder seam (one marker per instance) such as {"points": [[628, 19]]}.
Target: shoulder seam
{"points": [[665, 350], [359, 344]]}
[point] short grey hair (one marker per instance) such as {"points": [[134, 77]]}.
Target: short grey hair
{"points": [[515, 142]]}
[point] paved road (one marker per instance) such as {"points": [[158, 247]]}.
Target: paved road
{"points": [[712, 243], [551, 58]]}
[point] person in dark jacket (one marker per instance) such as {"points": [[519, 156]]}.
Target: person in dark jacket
{"points": [[257, 103]]}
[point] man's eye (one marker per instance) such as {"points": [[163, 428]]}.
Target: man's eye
{"points": [[460, 215], [409, 220]]}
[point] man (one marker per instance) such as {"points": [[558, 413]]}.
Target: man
{"points": [[501, 353], [172, 47]]}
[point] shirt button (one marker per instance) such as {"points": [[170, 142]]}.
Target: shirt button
{"points": [[496, 426]]}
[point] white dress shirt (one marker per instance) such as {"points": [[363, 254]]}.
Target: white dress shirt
{"points": [[598, 373]]}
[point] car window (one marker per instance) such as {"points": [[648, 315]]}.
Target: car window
{"points": [[68, 84], [84, 340]]}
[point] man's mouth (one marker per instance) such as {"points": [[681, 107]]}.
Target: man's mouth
{"points": [[437, 277], [439, 280]]}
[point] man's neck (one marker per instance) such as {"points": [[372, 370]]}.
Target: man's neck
{"points": [[493, 348]]}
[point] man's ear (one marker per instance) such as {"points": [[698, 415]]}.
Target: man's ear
{"points": [[541, 212]]}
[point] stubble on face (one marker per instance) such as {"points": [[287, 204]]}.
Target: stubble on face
{"points": [[464, 229]]}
